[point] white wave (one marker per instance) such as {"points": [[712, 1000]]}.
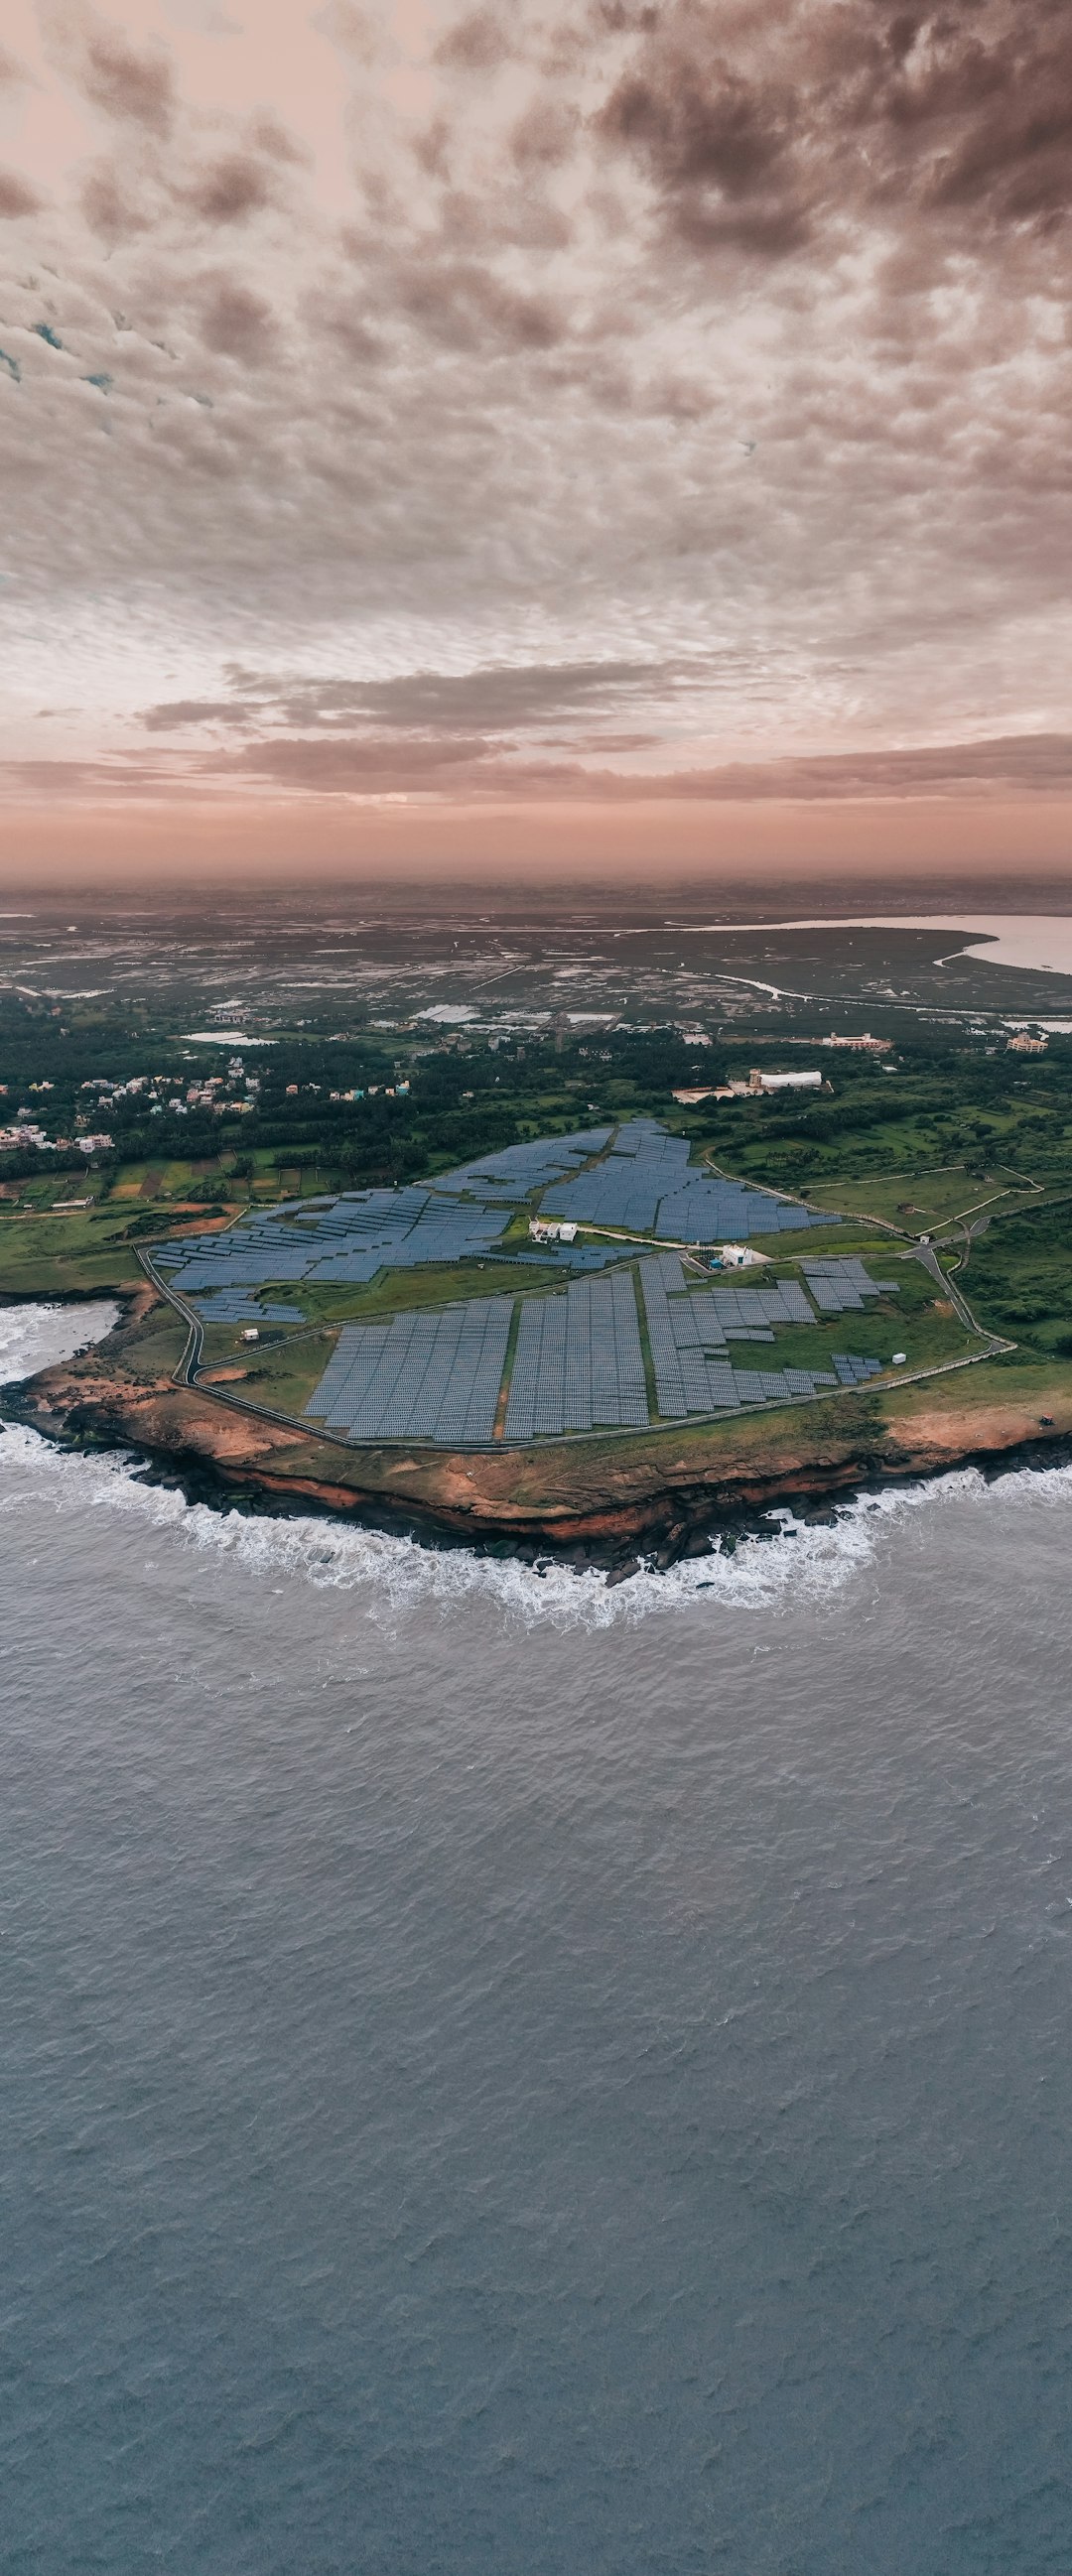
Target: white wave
{"points": [[35, 1337], [390, 1574]]}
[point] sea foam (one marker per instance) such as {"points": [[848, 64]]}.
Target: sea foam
{"points": [[391, 1574]]}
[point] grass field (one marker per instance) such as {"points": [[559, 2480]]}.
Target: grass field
{"points": [[279, 1374], [917, 1202]]}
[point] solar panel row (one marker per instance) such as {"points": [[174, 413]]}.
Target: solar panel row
{"points": [[424, 1376], [685, 1381], [578, 1366], [679, 1336], [232, 1307], [839, 1287], [851, 1369], [578, 1362]]}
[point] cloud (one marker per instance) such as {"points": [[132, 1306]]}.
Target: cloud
{"points": [[644, 399], [225, 191], [488, 700], [133, 83], [235, 322], [1039, 764], [758, 127], [16, 196], [468, 770], [183, 712], [478, 42]]}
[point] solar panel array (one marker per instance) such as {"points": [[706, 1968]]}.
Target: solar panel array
{"points": [[231, 1306], [852, 1370], [430, 1375], [839, 1287], [578, 1366], [340, 1241], [345, 1240], [578, 1362], [645, 1186], [684, 1329]]}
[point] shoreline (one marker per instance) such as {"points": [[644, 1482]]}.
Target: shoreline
{"points": [[665, 1497]]}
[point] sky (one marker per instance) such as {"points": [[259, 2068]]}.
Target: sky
{"points": [[627, 436]]}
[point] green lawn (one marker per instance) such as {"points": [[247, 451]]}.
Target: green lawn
{"points": [[280, 1374]]}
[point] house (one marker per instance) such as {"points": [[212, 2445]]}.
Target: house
{"points": [[737, 1256]]}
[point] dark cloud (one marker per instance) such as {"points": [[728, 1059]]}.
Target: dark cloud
{"points": [[236, 323], [546, 134], [479, 43], [755, 127], [225, 191], [464, 765], [362, 765], [16, 195], [110, 207], [128, 82], [467, 306], [487, 701], [181, 712]]}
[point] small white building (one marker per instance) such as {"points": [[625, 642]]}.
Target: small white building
{"points": [[547, 1229]]}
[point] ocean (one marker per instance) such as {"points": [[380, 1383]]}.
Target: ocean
{"points": [[503, 2077]]}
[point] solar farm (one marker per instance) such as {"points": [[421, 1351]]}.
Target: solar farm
{"points": [[643, 1185], [578, 1360], [655, 1332]]}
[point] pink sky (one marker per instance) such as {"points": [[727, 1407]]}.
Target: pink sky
{"points": [[604, 437]]}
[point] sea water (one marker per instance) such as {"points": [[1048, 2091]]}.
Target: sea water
{"points": [[511, 2078]]}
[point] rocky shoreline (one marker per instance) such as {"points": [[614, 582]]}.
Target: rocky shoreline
{"points": [[665, 1496]]}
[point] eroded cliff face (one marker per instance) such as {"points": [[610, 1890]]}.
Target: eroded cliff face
{"points": [[600, 1500]]}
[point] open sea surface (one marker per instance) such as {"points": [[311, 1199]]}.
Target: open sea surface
{"points": [[506, 2078]]}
